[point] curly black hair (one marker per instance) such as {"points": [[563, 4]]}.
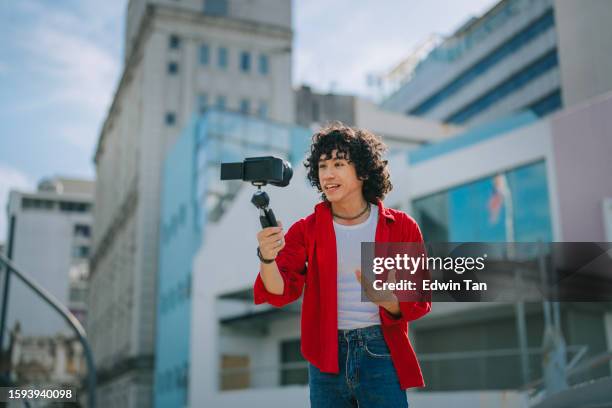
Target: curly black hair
{"points": [[358, 146]]}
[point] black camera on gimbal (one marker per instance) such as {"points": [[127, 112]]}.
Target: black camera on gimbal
{"points": [[260, 171]]}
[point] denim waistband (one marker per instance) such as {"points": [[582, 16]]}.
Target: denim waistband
{"points": [[363, 333]]}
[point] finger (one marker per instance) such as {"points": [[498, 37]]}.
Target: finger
{"points": [[272, 238], [391, 276], [367, 286], [270, 230], [279, 243]]}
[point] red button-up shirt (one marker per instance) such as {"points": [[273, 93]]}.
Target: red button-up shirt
{"points": [[310, 246]]}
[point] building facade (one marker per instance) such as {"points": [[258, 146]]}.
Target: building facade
{"points": [[49, 239], [181, 58], [470, 352], [521, 55], [505, 61], [193, 198], [314, 109], [584, 34]]}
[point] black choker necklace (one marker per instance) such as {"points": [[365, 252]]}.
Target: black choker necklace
{"points": [[367, 207]]}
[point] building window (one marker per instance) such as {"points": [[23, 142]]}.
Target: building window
{"points": [[262, 111], [204, 54], [170, 118], [463, 213], [202, 102], [27, 203], [245, 106], [81, 230], [222, 57], [174, 42], [80, 251], [215, 7], [263, 64], [221, 102], [290, 353], [68, 206], [235, 373], [513, 45], [510, 85], [245, 61], [172, 68]]}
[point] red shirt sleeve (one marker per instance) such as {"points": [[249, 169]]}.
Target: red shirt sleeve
{"points": [[291, 262]]}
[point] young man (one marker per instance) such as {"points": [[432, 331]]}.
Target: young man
{"points": [[359, 351]]}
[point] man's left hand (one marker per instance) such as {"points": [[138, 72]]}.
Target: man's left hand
{"points": [[383, 298]]}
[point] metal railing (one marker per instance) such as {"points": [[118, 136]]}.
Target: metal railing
{"points": [[273, 370], [72, 321]]}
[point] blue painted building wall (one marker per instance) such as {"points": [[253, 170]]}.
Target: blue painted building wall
{"points": [[191, 188]]}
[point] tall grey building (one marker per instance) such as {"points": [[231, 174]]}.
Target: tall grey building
{"points": [[536, 55], [180, 58], [313, 109]]}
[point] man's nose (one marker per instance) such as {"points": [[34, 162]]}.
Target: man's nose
{"points": [[327, 174]]}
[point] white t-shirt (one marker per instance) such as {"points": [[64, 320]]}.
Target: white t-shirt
{"points": [[352, 311]]}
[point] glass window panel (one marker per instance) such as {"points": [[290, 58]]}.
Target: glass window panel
{"points": [[258, 132], [245, 61], [290, 353], [245, 106], [202, 102], [222, 57], [262, 110], [263, 64], [528, 185], [170, 118], [479, 211], [174, 42], [432, 215], [173, 68], [279, 138], [221, 102], [215, 7], [231, 152], [204, 54]]}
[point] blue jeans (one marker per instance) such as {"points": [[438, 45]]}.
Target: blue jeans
{"points": [[367, 378]]}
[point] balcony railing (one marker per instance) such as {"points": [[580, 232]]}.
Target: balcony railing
{"points": [[72, 321]]}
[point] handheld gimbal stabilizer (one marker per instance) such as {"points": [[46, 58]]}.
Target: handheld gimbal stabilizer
{"points": [[260, 171]]}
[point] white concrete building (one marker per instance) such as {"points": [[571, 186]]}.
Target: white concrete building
{"points": [[534, 55], [49, 239], [181, 57]]}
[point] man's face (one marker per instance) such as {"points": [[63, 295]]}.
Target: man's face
{"points": [[339, 179]]}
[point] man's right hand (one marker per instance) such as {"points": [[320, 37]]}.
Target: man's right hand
{"points": [[271, 240]]}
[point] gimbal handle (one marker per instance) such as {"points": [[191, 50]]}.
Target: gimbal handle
{"points": [[267, 218], [261, 200]]}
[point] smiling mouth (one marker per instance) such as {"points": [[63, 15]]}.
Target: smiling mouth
{"points": [[332, 187]]}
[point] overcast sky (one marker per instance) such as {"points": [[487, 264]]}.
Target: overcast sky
{"points": [[60, 62]]}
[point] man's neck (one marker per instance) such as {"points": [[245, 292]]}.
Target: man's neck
{"points": [[348, 209]]}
